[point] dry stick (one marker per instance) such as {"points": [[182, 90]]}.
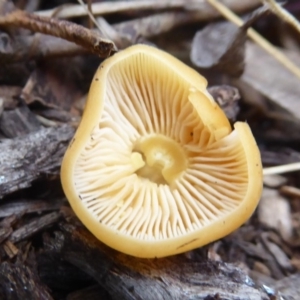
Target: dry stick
{"points": [[102, 8], [282, 13], [113, 7], [282, 169], [256, 37], [149, 26], [60, 28], [152, 25], [88, 9], [105, 28]]}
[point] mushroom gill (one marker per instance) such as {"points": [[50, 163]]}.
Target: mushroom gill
{"points": [[155, 168]]}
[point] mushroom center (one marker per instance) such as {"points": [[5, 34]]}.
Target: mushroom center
{"points": [[159, 159]]}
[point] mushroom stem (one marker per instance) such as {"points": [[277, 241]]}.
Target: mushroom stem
{"points": [[137, 161], [164, 156]]}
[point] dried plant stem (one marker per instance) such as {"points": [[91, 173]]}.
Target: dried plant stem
{"points": [[69, 31], [69, 11], [282, 169], [104, 27], [290, 191], [282, 13], [88, 9], [256, 37], [108, 7]]}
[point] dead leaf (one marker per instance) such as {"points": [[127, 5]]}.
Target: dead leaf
{"points": [[222, 45], [274, 211], [53, 84]]}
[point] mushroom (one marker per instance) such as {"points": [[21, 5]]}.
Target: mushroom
{"points": [[155, 168]]}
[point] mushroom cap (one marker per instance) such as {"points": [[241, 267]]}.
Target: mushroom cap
{"points": [[155, 168]]}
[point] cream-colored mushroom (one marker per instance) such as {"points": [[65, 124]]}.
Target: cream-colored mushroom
{"points": [[155, 168]]}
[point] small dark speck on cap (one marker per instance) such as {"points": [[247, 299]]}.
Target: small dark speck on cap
{"points": [[96, 79], [71, 143]]}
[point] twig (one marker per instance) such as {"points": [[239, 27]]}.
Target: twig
{"points": [[88, 9], [105, 28], [162, 22], [282, 13], [69, 31], [282, 169], [102, 8], [256, 37], [122, 34], [155, 24]]}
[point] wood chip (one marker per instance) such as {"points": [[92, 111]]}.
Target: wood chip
{"points": [[279, 255], [274, 211], [9, 95], [23, 159], [291, 191], [289, 287], [5, 232], [15, 207], [296, 263], [10, 249], [261, 279], [34, 226], [262, 268], [10, 220], [254, 250], [19, 281]]}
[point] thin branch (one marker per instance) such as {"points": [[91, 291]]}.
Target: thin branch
{"points": [[282, 169], [256, 37], [282, 13], [102, 8], [88, 9], [70, 11], [67, 30]]}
